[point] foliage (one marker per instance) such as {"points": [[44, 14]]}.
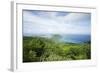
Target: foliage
{"points": [[38, 49]]}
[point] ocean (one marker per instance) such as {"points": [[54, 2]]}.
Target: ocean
{"points": [[76, 38]]}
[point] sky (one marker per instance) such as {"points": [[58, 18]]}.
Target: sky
{"points": [[55, 22]]}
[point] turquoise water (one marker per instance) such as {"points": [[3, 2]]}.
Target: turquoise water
{"points": [[76, 38]]}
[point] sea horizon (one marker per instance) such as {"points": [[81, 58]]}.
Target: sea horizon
{"points": [[71, 38]]}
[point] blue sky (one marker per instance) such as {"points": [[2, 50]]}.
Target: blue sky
{"points": [[51, 22]]}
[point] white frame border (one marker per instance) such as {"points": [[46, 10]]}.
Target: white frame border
{"points": [[16, 65]]}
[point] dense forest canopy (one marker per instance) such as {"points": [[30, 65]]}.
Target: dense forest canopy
{"points": [[38, 49]]}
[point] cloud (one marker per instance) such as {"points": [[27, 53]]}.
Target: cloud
{"points": [[45, 22]]}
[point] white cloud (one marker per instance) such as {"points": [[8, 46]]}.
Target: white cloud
{"points": [[49, 22]]}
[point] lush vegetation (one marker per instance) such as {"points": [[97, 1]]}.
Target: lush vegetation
{"points": [[38, 49]]}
